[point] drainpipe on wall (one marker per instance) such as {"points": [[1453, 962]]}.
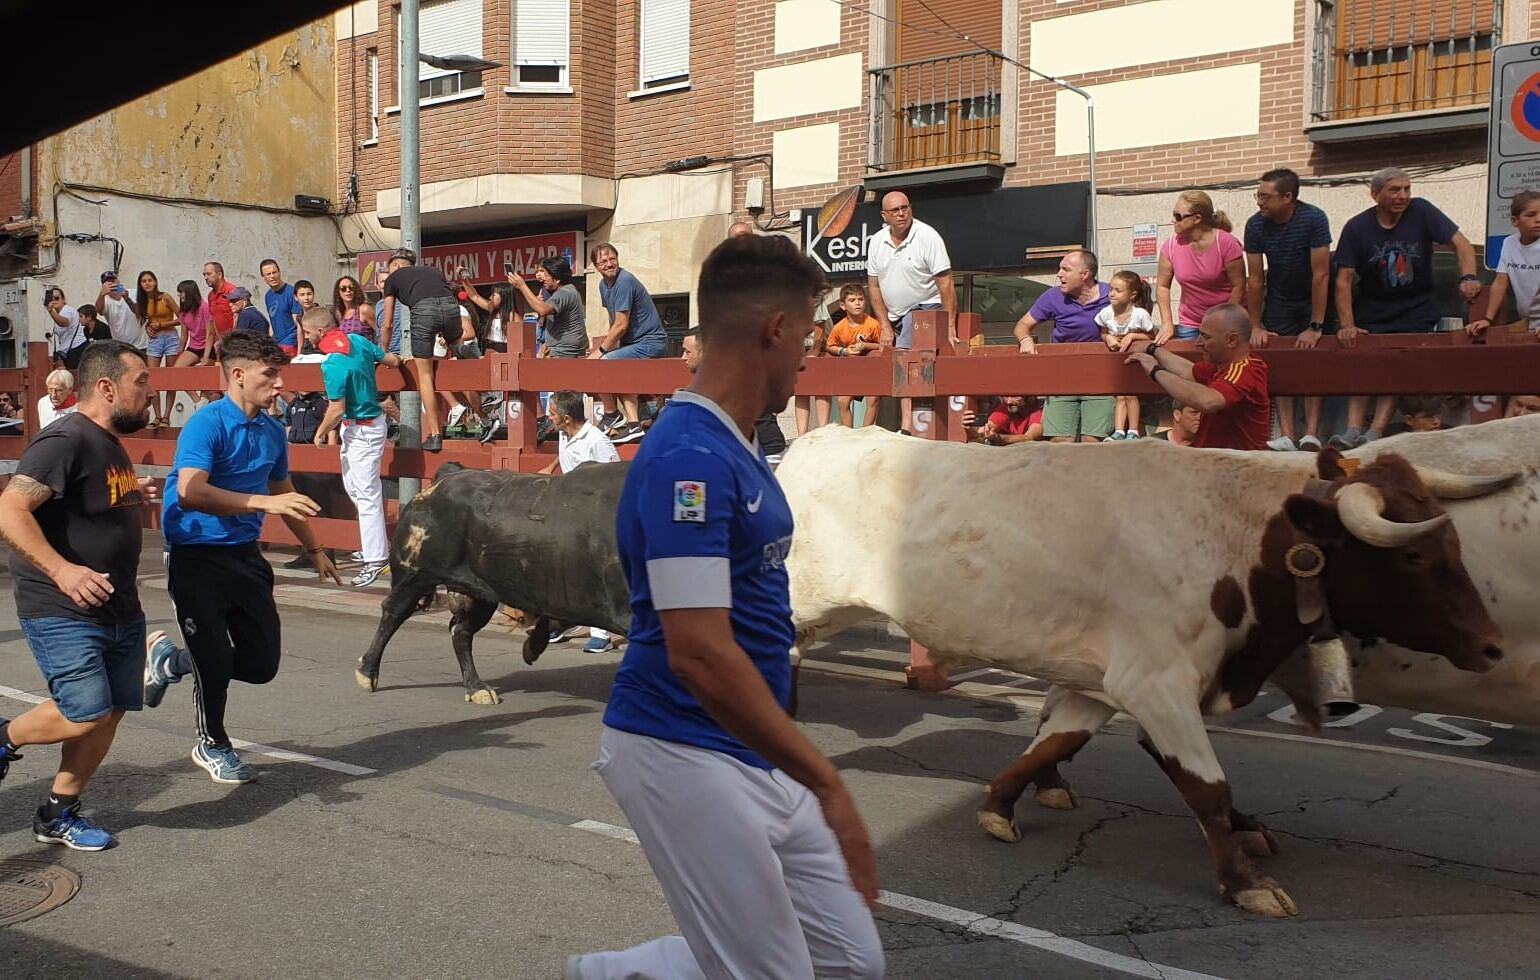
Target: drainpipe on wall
{"points": [[26, 181]]}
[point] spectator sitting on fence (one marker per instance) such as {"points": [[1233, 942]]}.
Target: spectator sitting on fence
{"points": [[1125, 319], [1419, 413], [434, 316], [1389, 250], [59, 401], [1518, 268], [635, 332], [1522, 405], [857, 335], [1016, 419], [580, 443], [1184, 424]]}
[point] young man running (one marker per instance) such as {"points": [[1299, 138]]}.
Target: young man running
{"points": [[231, 470], [71, 516]]}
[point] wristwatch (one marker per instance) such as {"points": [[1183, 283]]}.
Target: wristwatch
{"points": [[1155, 370], [1150, 350], [1314, 325], [1469, 277]]}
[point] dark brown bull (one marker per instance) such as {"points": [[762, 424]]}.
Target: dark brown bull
{"points": [[544, 544]]}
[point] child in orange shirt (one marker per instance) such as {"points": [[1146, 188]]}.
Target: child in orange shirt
{"points": [[855, 336]]}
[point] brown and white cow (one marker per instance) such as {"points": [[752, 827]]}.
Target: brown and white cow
{"points": [[1210, 615]]}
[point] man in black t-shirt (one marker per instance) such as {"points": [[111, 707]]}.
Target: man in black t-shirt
{"points": [[435, 310], [71, 515]]}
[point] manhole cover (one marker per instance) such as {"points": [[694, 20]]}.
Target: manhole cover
{"points": [[28, 889]]}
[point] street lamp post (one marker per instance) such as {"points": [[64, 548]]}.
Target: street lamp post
{"points": [[411, 205]]}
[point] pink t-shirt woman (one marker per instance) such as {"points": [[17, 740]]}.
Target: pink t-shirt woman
{"points": [[197, 324], [1205, 259]]}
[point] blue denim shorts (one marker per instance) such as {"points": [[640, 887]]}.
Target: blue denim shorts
{"points": [[1186, 333], [91, 668], [166, 344], [652, 346]]}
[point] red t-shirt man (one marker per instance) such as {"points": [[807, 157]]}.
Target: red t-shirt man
{"points": [[219, 307], [1246, 421]]}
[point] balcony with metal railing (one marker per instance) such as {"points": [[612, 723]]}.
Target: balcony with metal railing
{"points": [[937, 114], [1382, 67]]}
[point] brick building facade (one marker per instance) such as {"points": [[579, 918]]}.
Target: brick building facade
{"points": [[791, 101]]}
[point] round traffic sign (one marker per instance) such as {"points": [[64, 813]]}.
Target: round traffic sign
{"points": [[1525, 108]]}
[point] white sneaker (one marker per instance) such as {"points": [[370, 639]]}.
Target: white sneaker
{"points": [[455, 415], [1282, 444], [1310, 443]]}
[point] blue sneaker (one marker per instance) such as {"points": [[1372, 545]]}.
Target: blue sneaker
{"points": [[222, 764], [563, 635], [72, 830], [596, 645], [159, 660]]}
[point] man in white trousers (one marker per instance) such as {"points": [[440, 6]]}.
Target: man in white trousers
{"points": [[755, 840], [348, 371], [580, 441]]}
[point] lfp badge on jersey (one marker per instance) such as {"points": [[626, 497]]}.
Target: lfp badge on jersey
{"points": [[690, 501]]}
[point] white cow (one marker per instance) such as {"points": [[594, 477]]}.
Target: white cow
{"points": [[1161, 615]]}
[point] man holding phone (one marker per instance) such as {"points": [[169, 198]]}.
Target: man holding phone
{"points": [[117, 307]]}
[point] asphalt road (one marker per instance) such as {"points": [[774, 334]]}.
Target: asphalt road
{"points": [[427, 837]]}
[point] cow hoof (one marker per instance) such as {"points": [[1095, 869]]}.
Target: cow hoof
{"points": [[1265, 898], [484, 696], [370, 684], [998, 827], [1057, 798], [1257, 843]]}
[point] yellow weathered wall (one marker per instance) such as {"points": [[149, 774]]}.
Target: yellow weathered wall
{"points": [[256, 129]]}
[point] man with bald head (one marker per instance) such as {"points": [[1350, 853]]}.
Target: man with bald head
{"points": [[1229, 386], [740, 229], [907, 269]]}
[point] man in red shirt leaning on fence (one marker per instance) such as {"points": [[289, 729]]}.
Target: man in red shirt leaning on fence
{"points": [[1229, 386]]}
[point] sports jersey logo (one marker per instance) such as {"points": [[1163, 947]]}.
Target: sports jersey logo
{"points": [[690, 502], [775, 554], [753, 505]]}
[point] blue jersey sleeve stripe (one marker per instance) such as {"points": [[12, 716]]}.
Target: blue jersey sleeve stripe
{"points": [[690, 583]]}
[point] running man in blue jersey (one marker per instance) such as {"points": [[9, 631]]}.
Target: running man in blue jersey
{"points": [[755, 840]]}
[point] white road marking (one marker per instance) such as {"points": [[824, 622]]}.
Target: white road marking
{"points": [[1382, 749], [285, 755], [982, 925], [956, 678]]}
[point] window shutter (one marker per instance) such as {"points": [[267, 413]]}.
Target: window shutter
{"points": [[446, 27], [665, 40], [540, 31]]}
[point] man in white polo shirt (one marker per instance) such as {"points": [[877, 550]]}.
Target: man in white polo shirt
{"points": [[907, 269], [580, 442]]}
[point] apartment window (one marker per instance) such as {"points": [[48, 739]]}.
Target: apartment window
{"points": [[665, 42], [374, 93], [446, 27], [1383, 57], [541, 43]]}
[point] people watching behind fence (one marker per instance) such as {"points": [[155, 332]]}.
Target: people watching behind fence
{"points": [[1228, 386], [116, 305], [353, 312], [1016, 419], [158, 317], [1419, 413], [1204, 259], [857, 335], [95, 327], [70, 336], [907, 269], [198, 341], [635, 332], [60, 399], [1518, 268], [1184, 421], [1125, 319], [1388, 249], [1073, 308], [1522, 405], [283, 307], [1288, 286], [435, 314], [219, 297], [247, 317], [304, 295]]}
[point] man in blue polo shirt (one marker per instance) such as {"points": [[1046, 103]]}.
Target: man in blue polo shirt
{"points": [[755, 840], [348, 370], [231, 470], [1072, 308]]}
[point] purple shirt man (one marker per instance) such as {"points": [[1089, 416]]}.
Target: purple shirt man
{"points": [[1072, 307]]}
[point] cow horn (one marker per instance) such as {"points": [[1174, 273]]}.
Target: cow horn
{"points": [[1462, 486], [1362, 511]]}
